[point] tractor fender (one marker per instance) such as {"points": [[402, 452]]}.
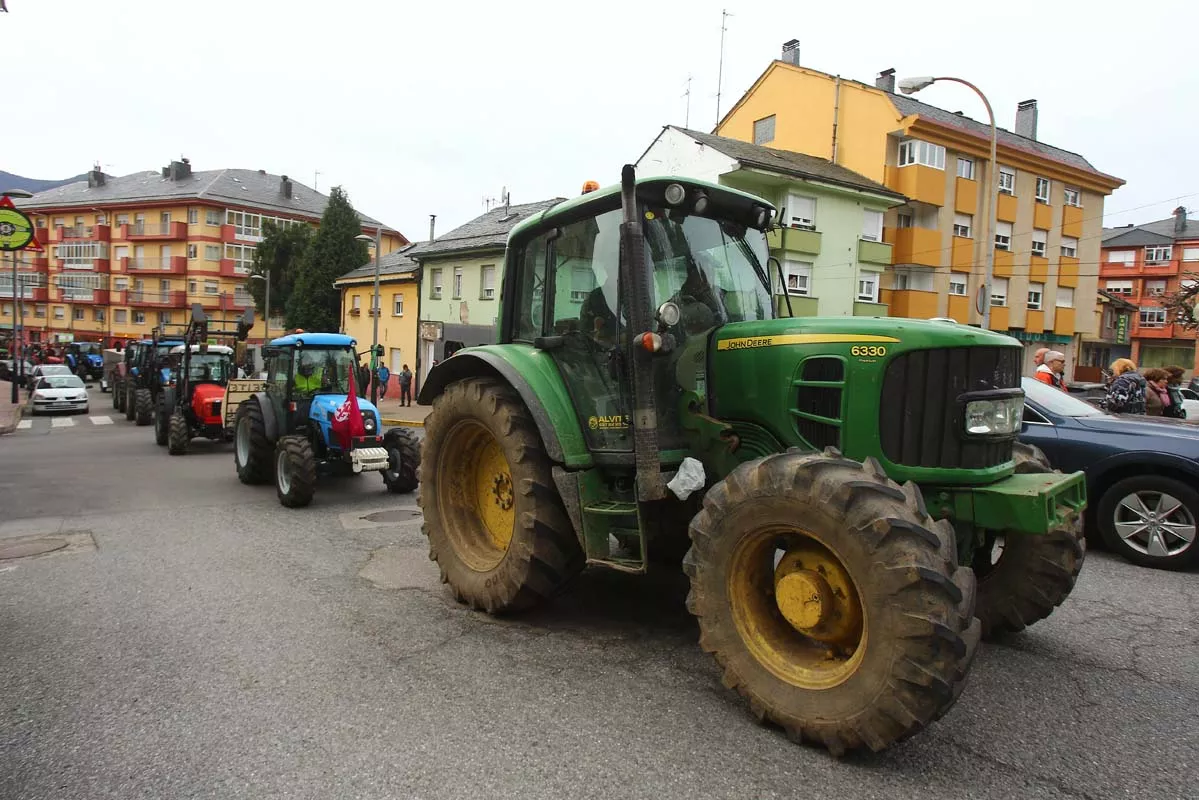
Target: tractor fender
{"points": [[535, 378], [269, 421]]}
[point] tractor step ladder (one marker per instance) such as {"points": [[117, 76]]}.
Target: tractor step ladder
{"points": [[609, 522]]}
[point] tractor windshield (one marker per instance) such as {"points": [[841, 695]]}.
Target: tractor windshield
{"points": [[208, 368], [716, 266], [324, 370]]}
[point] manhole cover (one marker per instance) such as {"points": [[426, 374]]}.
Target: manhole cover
{"points": [[402, 515], [31, 547]]}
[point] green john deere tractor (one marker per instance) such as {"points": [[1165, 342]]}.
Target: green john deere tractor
{"points": [[857, 508]]}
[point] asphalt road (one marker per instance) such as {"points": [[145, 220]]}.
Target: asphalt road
{"points": [[198, 640]]}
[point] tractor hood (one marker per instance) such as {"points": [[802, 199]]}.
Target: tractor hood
{"points": [[912, 333], [206, 402], [324, 405]]}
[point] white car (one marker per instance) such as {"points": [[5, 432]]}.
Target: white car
{"points": [[60, 393], [1190, 403]]}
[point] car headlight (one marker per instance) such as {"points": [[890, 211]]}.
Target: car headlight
{"points": [[994, 417]]}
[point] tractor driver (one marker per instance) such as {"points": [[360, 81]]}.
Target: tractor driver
{"points": [[308, 378]]}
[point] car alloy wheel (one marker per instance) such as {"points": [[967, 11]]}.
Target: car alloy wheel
{"points": [[1155, 524]]}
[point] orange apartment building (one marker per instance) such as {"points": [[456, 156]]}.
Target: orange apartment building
{"points": [[1145, 264], [1049, 205], [126, 254]]}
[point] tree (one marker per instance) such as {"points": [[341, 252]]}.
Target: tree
{"points": [[278, 256], [315, 304], [1180, 306]]}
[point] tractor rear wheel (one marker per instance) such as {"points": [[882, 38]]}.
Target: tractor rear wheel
{"points": [[145, 406], [295, 471], [1023, 577], [161, 425], [179, 435], [118, 392], [403, 461], [130, 401], [252, 451], [831, 600], [496, 525]]}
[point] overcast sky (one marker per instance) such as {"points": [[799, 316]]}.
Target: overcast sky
{"points": [[427, 108]]}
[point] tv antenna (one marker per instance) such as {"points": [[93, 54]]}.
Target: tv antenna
{"points": [[724, 15], [687, 94], [316, 179]]}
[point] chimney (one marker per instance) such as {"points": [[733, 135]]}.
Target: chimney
{"points": [[178, 170], [95, 177], [791, 52], [285, 186], [886, 81], [1026, 119], [1180, 221], [432, 223]]}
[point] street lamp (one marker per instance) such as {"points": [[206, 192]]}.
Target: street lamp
{"points": [[913, 85], [375, 311], [18, 362], [266, 315]]}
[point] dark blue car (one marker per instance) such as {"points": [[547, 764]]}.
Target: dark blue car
{"points": [[1142, 473]]}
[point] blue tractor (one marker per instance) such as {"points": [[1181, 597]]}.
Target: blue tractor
{"points": [[289, 430]]}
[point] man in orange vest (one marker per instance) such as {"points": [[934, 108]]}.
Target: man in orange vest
{"points": [[1051, 371]]}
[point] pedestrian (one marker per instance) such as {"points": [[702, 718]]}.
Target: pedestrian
{"points": [[383, 377], [1038, 358], [405, 379], [1126, 392], [1157, 396], [1051, 369], [1174, 387]]}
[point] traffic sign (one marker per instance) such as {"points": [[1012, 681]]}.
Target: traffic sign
{"points": [[16, 229]]}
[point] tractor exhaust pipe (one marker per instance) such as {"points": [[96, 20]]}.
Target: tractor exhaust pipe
{"points": [[640, 304]]}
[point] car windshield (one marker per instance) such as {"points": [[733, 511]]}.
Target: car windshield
{"points": [[212, 367], [1055, 401], [55, 369], [323, 369], [61, 382]]}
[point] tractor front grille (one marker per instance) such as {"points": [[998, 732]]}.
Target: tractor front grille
{"points": [[920, 419]]}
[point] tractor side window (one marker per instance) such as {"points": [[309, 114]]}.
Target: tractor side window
{"points": [[586, 271], [278, 369], [530, 298]]}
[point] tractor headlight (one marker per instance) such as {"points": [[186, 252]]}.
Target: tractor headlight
{"points": [[368, 424], [994, 417]]}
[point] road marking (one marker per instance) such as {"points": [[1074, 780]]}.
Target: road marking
{"points": [[24, 424], [101, 420], [61, 422]]}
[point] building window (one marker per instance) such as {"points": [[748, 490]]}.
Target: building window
{"points": [[139, 317], [78, 255], [242, 257], [1119, 287], [903, 221], [999, 291], [120, 316], [872, 225], [957, 286], [1157, 254], [457, 284], [192, 286], [868, 286], [1065, 297], [193, 216], [1153, 317], [1003, 235], [1007, 180], [60, 312], [799, 277], [193, 251], [966, 168], [487, 282], [77, 313], [764, 130], [212, 252], [962, 224], [1043, 185], [122, 219], [212, 287], [435, 284], [101, 219], [1190, 254], [1126, 257], [212, 216], [914, 151], [919, 280], [1072, 197], [1069, 247], [1155, 288], [1039, 239], [97, 315], [801, 212], [397, 305], [356, 302], [164, 317], [1035, 292]]}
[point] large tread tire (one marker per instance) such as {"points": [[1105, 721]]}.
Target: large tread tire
{"points": [[920, 632], [145, 407], [543, 554], [130, 402], [295, 471], [162, 421], [179, 434], [259, 464], [1034, 573], [117, 392], [1110, 501], [403, 472]]}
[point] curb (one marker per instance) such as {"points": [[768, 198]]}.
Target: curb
{"points": [[404, 423], [16, 417]]}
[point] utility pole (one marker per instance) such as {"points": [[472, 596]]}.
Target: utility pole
{"points": [[687, 94], [316, 178], [724, 15]]}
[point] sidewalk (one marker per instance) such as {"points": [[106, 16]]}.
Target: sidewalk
{"points": [[10, 415], [394, 414]]}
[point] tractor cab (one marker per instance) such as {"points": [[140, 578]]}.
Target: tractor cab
{"points": [[201, 372]]}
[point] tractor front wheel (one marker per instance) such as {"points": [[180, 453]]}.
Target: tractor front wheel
{"points": [[1023, 577], [295, 471], [831, 600], [118, 394], [403, 461], [144, 406], [130, 402], [179, 435], [251, 449], [496, 525], [161, 424]]}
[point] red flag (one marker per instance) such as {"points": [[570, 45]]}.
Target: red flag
{"points": [[347, 419]]}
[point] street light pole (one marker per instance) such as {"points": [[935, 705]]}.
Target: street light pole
{"points": [[18, 364], [913, 85], [376, 312]]}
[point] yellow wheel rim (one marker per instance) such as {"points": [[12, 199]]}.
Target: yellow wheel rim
{"points": [[478, 497], [796, 608]]}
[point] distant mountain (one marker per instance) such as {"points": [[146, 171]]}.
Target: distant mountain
{"points": [[10, 181]]}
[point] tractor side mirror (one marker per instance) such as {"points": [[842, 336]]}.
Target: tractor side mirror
{"points": [[378, 351]]}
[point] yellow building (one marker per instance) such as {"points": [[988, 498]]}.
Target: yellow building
{"points": [[399, 294], [125, 254], [1050, 202]]}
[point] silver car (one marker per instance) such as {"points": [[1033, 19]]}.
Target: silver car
{"points": [[60, 393]]}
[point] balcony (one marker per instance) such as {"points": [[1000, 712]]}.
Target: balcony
{"points": [[914, 304], [33, 286], [1000, 318], [963, 255], [230, 269], [88, 264], [1005, 209], [1042, 216], [228, 234], [139, 297], [208, 301], [918, 182], [797, 240], [1003, 264], [1067, 271], [1038, 269], [1144, 331], [232, 301], [1072, 221], [163, 265], [965, 196], [1063, 321], [959, 308], [914, 245], [83, 233], [67, 294], [154, 231], [41, 236], [874, 252], [1034, 321]]}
